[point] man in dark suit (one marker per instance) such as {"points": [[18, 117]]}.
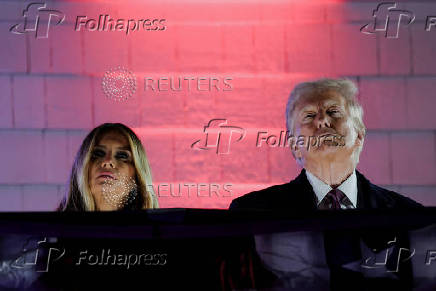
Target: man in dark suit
{"points": [[299, 195], [327, 133]]}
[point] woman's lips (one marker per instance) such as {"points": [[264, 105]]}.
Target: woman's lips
{"points": [[106, 175]]}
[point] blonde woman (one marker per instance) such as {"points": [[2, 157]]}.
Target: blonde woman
{"points": [[110, 172]]}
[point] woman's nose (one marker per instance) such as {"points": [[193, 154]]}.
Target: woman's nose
{"points": [[108, 162]]}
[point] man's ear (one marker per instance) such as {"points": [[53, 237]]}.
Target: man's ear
{"points": [[360, 137], [296, 152]]}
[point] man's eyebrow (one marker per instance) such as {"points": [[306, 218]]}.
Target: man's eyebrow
{"points": [[306, 108], [331, 103]]}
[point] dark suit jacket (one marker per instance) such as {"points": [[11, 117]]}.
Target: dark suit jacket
{"points": [[298, 195]]}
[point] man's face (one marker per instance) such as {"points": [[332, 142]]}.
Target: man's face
{"points": [[323, 119]]}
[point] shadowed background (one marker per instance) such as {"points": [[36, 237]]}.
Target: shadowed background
{"points": [[51, 94]]}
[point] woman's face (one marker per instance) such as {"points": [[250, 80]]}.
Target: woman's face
{"points": [[111, 172]]}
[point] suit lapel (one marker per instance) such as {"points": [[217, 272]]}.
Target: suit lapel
{"points": [[362, 189], [368, 195], [304, 192]]}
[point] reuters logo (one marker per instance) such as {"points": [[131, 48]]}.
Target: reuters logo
{"points": [[119, 84]]}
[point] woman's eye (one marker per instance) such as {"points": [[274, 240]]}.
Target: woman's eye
{"points": [[122, 155], [98, 154]]}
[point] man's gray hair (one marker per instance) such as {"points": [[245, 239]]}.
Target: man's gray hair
{"points": [[344, 87]]}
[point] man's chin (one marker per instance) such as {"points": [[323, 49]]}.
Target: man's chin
{"points": [[324, 151], [327, 146]]}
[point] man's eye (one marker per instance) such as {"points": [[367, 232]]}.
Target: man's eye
{"points": [[333, 111], [98, 154], [311, 115]]}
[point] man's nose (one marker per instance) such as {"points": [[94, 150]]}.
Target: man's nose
{"points": [[322, 120]]}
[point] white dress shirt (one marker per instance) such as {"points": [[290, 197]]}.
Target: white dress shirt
{"points": [[348, 187]]}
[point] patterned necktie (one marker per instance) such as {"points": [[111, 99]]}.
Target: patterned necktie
{"points": [[340, 246], [334, 199]]}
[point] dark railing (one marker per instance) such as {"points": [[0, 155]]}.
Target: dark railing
{"points": [[210, 249]]}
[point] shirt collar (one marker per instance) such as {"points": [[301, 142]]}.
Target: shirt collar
{"points": [[349, 187]]}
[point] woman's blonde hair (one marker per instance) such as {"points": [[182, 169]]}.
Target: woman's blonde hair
{"points": [[78, 196]]}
